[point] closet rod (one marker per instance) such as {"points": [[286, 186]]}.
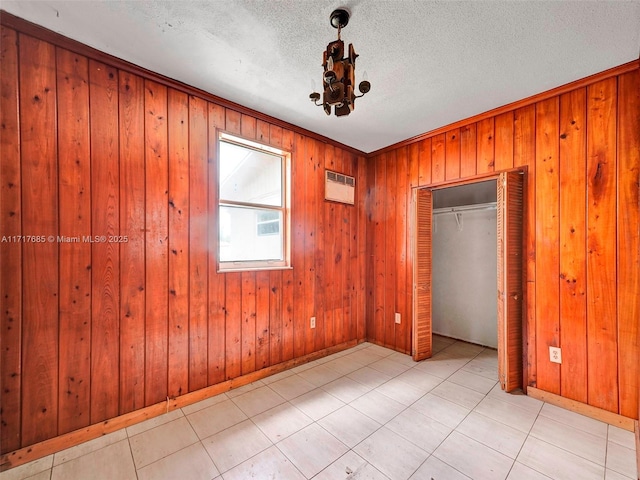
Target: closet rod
{"points": [[465, 208]]}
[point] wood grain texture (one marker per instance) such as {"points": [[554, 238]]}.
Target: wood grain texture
{"points": [[573, 267], [504, 142], [10, 252], [438, 158], [485, 131], [156, 243], [178, 243], [628, 248], [547, 244], [105, 259], [74, 176], [132, 252], [452, 155], [602, 329], [468, 145]]}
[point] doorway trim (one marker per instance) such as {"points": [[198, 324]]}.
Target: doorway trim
{"points": [[510, 285]]}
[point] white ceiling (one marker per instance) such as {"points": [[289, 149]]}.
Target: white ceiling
{"points": [[430, 63]]}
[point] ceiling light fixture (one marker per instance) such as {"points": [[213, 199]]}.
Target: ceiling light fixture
{"points": [[339, 73]]}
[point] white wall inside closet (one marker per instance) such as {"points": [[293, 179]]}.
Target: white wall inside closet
{"points": [[465, 263]]}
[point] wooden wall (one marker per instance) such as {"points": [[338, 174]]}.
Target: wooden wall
{"points": [[580, 147], [91, 331]]}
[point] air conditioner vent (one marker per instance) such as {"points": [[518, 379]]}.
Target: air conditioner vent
{"points": [[339, 187]]}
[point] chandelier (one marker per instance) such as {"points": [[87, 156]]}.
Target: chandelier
{"points": [[339, 73]]}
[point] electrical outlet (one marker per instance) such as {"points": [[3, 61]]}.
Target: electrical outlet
{"points": [[313, 322], [555, 354], [397, 318]]}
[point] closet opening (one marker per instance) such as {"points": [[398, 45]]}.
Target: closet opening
{"points": [[468, 267]]}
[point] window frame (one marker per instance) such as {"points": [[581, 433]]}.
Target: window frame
{"points": [[285, 208]]}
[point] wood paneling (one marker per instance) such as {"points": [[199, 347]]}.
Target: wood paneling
{"points": [[580, 229], [136, 310]]}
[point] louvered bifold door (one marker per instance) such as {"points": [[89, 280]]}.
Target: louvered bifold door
{"points": [[510, 222], [422, 280]]}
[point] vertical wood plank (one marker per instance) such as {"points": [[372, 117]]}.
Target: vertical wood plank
{"points": [[39, 260], [328, 253], [628, 224], [248, 299], [504, 141], [379, 252], [198, 243], [248, 126], [233, 121], [263, 335], [74, 172], [105, 260], [485, 150], [132, 253], [573, 272], [216, 280], [275, 316], [287, 275], [156, 243], [371, 231], [424, 160], [438, 158], [178, 231], [390, 251], [310, 207], [233, 325], [320, 254], [11, 252], [262, 131], [402, 181], [297, 245], [361, 240], [547, 244], [468, 147], [524, 147], [452, 154], [601, 250]]}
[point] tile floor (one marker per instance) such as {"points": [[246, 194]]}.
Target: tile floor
{"points": [[364, 413]]}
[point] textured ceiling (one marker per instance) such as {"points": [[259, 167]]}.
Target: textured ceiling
{"points": [[430, 63]]}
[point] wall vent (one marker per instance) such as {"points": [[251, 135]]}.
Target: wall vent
{"points": [[339, 187]]}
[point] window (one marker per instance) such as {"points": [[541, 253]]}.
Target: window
{"points": [[253, 222]]}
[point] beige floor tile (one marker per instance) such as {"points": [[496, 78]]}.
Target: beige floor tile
{"points": [[502, 438], [574, 420], [420, 379], [269, 464], [484, 368], [349, 425], [473, 458], [320, 375], [441, 365], [369, 377], [350, 467], [392, 454], [154, 422], [291, 387], [434, 469], [388, 366], [257, 401], [211, 420], [517, 398], [474, 382], [191, 463], [584, 444], [312, 449], [346, 389], [236, 444], [400, 391], [621, 437], [613, 475], [522, 472], [464, 348], [403, 358], [345, 365], [621, 460], [29, 469], [46, 475], [379, 350], [88, 447], [456, 393], [112, 461], [277, 376], [507, 413], [378, 406], [365, 356], [441, 410], [249, 387], [281, 421], [152, 445], [420, 430], [317, 403], [557, 463], [208, 402]]}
